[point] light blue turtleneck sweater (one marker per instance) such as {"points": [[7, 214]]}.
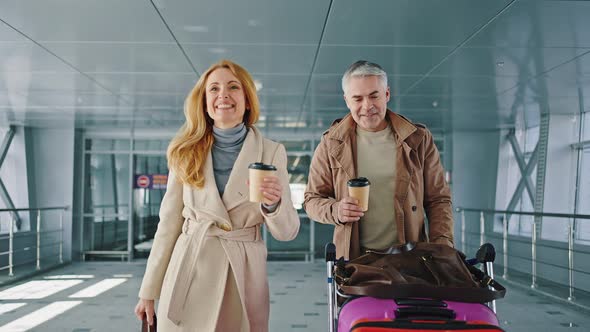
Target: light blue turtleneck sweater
{"points": [[227, 144]]}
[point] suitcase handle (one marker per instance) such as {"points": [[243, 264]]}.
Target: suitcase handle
{"points": [[421, 303], [423, 312]]}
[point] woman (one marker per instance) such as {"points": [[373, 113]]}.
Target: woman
{"points": [[207, 265]]}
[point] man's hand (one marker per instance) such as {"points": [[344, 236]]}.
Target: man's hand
{"points": [[349, 210]]}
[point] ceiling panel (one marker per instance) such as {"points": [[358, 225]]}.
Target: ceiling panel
{"points": [[158, 99], [502, 61], [71, 99], [114, 63], [88, 20], [270, 60], [539, 24], [48, 81], [282, 84], [131, 83], [461, 85], [407, 22], [255, 21], [394, 60], [122, 57]]}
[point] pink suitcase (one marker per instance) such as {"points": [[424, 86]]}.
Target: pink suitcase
{"points": [[370, 308]]}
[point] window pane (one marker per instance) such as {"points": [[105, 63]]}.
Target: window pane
{"points": [[107, 184], [107, 144]]}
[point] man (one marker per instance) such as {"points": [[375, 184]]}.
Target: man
{"points": [[396, 155]]}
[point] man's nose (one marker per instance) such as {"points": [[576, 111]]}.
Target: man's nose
{"points": [[367, 105]]}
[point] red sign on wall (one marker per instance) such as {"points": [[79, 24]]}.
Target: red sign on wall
{"points": [[143, 181], [150, 181]]}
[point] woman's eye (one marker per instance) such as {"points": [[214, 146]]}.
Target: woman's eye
{"points": [[234, 87], [213, 89]]}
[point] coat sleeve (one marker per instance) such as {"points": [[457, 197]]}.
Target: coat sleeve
{"points": [[320, 202], [283, 223], [169, 228], [437, 195]]}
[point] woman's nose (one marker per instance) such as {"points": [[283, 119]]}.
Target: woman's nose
{"points": [[223, 94]]}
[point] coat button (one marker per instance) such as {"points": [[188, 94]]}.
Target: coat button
{"points": [[414, 208], [225, 227]]}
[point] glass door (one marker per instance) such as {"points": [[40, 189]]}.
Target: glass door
{"points": [[150, 178]]}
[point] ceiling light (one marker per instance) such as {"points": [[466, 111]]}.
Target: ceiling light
{"points": [[500, 64], [217, 50], [258, 85], [196, 28], [435, 104], [253, 23]]}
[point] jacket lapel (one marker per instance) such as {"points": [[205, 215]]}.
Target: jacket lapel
{"points": [[342, 151], [403, 130], [236, 190], [207, 199]]}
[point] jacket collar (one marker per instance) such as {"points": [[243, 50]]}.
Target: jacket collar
{"points": [[236, 189], [342, 129]]}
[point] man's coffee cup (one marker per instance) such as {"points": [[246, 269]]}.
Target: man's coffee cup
{"points": [[359, 188], [257, 172]]}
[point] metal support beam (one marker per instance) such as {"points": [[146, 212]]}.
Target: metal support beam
{"points": [[521, 165], [520, 187], [541, 168], [3, 191]]}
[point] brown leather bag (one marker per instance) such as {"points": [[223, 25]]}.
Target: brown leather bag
{"points": [[145, 327], [417, 270]]}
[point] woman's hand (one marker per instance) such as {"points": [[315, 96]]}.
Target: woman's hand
{"points": [[272, 190], [145, 308]]}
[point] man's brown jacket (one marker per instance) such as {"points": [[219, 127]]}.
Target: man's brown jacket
{"points": [[420, 186]]}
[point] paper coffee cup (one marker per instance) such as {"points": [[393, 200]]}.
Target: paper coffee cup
{"points": [[257, 172], [359, 188]]}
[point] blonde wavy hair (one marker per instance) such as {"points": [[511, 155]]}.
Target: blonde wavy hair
{"points": [[188, 151]]}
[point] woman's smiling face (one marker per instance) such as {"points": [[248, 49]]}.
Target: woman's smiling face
{"points": [[226, 101]]}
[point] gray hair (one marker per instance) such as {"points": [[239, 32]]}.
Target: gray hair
{"points": [[364, 68]]}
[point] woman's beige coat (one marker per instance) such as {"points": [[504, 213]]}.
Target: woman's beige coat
{"points": [[201, 234]]}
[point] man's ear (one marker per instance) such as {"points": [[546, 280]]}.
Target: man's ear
{"points": [[345, 100], [387, 94]]}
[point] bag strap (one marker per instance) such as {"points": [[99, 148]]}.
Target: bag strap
{"points": [[145, 327], [485, 280], [460, 294]]}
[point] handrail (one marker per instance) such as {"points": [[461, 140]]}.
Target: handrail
{"points": [[526, 213], [37, 231], [65, 208], [505, 221]]}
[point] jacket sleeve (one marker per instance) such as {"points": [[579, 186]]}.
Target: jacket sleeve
{"points": [[319, 201], [169, 228], [437, 195], [283, 222]]}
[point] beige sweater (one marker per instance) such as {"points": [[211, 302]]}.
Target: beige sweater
{"points": [[376, 161]]}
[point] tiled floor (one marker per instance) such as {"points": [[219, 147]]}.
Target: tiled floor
{"points": [[298, 301]]}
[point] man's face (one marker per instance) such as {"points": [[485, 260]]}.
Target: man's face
{"points": [[367, 98]]}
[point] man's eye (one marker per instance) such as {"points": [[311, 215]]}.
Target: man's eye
{"points": [[374, 97]]}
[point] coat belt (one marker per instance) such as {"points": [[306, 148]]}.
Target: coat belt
{"points": [[197, 231]]}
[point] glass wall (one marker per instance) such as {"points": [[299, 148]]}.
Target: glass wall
{"points": [[112, 196], [106, 197]]}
